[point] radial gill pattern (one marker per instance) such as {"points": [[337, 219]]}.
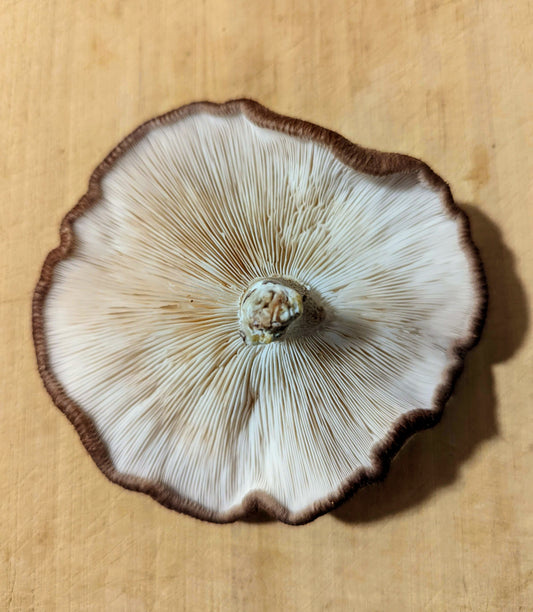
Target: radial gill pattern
{"points": [[141, 319]]}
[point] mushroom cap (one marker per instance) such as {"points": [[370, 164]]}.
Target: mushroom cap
{"points": [[136, 313]]}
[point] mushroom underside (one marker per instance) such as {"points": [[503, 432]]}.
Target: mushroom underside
{"points": [[143, 319]]}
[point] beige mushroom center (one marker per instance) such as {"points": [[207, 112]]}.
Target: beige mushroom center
{"points": [[273, 308]]}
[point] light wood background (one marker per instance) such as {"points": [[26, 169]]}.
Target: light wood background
{"points": [[449, 81]]}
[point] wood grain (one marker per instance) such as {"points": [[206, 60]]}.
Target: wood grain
{"points": [[449, 82]]}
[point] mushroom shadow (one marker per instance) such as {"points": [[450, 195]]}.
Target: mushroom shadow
{"points": [[432, 459]]}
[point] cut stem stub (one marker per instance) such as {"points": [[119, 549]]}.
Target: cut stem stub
{"points": [[273, 308]]}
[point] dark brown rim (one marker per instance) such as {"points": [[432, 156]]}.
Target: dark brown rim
{"points": [[361, 159]]}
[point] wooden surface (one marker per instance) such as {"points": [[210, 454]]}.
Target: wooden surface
{"points": [[447, 81]]}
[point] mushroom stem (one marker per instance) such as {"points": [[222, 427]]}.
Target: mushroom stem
{"points": [[273, 305]]}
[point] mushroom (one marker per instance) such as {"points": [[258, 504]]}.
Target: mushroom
{"points": [[248, 311]]}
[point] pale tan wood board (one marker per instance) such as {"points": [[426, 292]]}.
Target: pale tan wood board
{"points": [[449, 82]]}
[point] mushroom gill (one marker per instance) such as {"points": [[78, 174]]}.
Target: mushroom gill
{"points": [[349, 274]]}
